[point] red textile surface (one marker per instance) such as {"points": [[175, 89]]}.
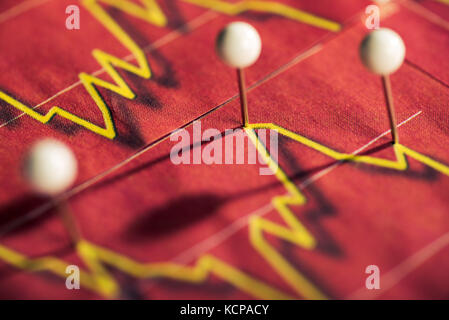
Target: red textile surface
{"points": [[153, 211]]}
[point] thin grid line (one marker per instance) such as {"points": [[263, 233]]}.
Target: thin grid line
{"points": [[224, 234], [427, 14], [323, 172], [219, 237], [20, 8], [65, 196], [404, 268], [265, 209], [192, 25], [426, 73], [196, 22], [81, 187], [216, 239]]}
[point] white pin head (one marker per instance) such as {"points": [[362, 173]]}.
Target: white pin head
{"points": [[239, 44], [382, 51], [50, 167]]}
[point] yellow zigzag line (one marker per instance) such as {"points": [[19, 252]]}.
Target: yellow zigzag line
{"points": [[444, 1], [268, 7], [399, 149], [100, 281], [296, 233], [149, 12]]}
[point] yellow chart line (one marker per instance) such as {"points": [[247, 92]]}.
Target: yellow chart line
{"points": [[192, 24], [97, 278], [150, 12], [293, 231], [236, 8]]}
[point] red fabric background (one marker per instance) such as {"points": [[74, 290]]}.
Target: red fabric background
{"points": [[154, 211]]}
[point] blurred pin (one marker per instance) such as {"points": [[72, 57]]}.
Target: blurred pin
{"points": [[51, 168], [382, 51], [239, 46]]}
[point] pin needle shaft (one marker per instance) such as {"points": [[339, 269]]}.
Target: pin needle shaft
{"points": [[390, 107], [243, 101], [69, 222]]}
